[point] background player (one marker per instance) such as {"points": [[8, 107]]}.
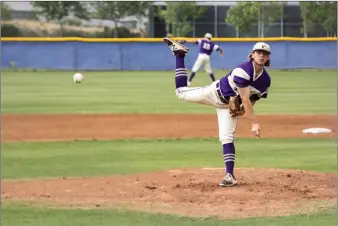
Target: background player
{"points": [[248, 82], [206, 48]]}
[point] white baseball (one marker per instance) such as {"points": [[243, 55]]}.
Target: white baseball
{"points": [[78, 77]]}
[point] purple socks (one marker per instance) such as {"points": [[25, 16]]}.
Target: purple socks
{"points": [[229, 157], [212, 77], [192, 75], [180, 72]]}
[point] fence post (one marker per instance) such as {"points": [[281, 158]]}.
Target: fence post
{"points": [[193, 28], [215, 21], [282, 22]]}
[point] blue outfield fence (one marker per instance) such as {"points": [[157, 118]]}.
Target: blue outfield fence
{"points": [[78, 55]]}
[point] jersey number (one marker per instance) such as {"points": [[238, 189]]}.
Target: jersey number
{"points": [[206, 46]]}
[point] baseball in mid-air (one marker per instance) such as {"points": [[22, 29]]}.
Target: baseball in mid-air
{"points": [[78, 78]]}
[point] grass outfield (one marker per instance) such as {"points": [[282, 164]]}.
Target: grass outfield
{"points": [[23, 215], [90, 158], [292, 92]]}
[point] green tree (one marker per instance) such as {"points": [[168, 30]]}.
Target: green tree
{"points": [[322, 13], [58, 10], [113, 11], [269, 12], [5, 11], [306, 9], [180, 15], [330, 24], [326, 15], [140, 9], [244, 14]]}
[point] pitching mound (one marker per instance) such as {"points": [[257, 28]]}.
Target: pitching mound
{"points": [[190, 192]]}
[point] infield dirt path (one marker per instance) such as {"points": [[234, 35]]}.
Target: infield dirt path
{"points": [[118, 126]]}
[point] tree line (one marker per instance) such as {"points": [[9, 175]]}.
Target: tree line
{"points": [[59, 11], [244, 14], [179, 16]]}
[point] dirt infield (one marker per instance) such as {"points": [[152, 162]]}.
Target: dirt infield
{"points": [[189, 192], [117, 126]]}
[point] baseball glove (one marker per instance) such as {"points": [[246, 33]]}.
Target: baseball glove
{"points": [[236, 107]]}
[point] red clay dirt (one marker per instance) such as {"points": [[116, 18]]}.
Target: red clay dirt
{"points": [[118, 126], [190, 192]]}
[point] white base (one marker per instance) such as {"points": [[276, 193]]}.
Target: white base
{"points": [[317, 130]]}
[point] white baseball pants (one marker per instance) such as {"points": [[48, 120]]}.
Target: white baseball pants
{"points": [[202, 60], [208, 96]]}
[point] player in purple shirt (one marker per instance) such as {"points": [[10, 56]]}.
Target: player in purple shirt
{"points": [[249, 81], [206, 48]]}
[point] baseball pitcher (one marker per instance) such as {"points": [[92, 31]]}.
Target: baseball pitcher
{"points": [[206, 48], [232, 96]]}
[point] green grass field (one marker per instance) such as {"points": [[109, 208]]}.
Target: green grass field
{"points": [[91, 158], [292, 92], [299, 92], [15, 215]]}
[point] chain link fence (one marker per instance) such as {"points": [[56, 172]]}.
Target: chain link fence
{"points": [[25, 24], [213, 21]]}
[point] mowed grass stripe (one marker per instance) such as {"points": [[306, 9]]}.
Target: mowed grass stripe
{"points": [[91, 158], [25, 215], [292, 92]]}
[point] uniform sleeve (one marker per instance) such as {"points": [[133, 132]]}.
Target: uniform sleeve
{"points": [[199, 41], [241, 78], [216, 47]]}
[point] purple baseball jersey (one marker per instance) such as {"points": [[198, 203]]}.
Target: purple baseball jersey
{"points": [[243, 76], [206, 46]]}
